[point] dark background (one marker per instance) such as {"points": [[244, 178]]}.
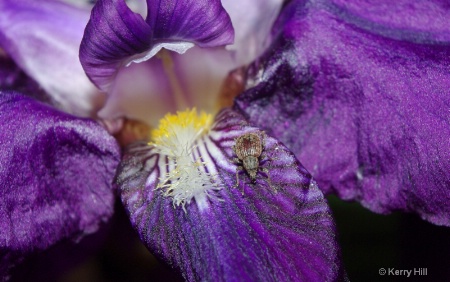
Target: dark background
{"points": [[369, 242], [402, 241]]}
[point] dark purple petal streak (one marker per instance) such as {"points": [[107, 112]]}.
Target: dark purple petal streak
{"points": [[362, 98], [278, 230]]}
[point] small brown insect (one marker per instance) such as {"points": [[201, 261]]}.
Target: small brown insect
{"points": [[248, 149]]}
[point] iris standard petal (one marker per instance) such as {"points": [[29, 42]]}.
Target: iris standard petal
{"points": [[116, 36], [277, 228], [56, 175], [205, 23], [43, 39], [252, 21], [114, 33], [363, 102]]}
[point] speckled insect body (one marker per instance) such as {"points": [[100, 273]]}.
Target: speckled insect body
{"points": [[249, 149]]}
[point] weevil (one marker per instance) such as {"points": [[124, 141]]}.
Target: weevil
{"points": [[249, 149]]}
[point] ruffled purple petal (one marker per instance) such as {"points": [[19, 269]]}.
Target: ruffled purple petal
{"points": [[43, 39], [116, 36], [280, 229], [363, 99], [56, 175]]}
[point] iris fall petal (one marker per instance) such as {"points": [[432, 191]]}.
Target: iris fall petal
{"points": [[280, 229], [56, 176], [363, 100]]}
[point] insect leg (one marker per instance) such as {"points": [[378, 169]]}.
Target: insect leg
{"points": [[238, 169], [269, 180], [236, 161]]}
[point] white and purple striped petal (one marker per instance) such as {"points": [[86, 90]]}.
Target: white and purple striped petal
{"points": [[278, 228]]}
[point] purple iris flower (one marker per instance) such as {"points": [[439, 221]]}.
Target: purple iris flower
{"points": [[357, 92]]}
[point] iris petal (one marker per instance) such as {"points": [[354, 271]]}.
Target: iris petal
{"points": [[113, 33], [55, 176], [205, 23], [363, 101], [252, 21], [417, 21], [43, 39], [276, 229], [115, 36]]}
